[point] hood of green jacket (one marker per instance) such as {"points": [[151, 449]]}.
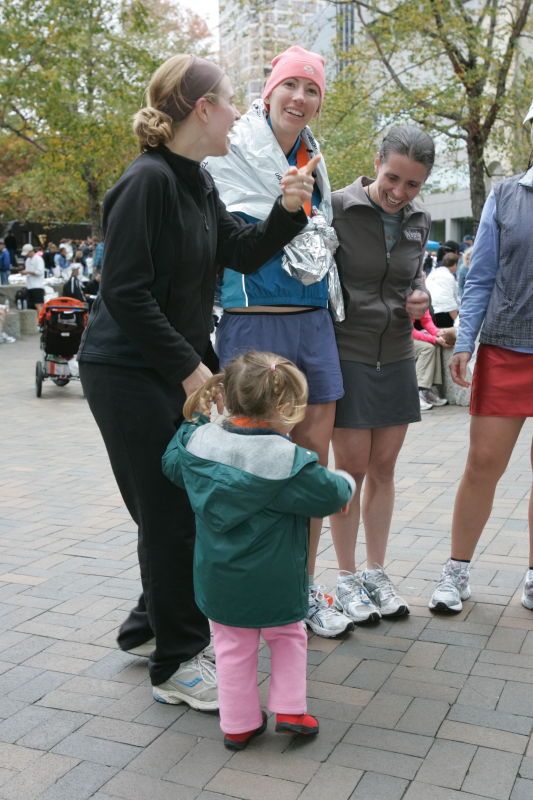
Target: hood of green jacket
{"points": [[225, 473]]}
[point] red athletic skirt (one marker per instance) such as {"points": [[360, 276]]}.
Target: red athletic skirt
{"points": [[502, 385]]}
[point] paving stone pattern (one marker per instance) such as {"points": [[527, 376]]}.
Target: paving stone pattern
{"points": [[424, 707]]}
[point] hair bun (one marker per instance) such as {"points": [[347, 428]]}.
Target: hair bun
{"points": [[152, 127]]}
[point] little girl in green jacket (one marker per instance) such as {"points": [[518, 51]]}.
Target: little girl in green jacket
{"points": [[253, 491]]}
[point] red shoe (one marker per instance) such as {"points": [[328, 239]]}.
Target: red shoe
{"points": [[296, 723], [238, 741]]}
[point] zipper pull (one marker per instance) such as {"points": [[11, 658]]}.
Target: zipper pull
{"points": [[205, 222], [388, 258], [378, 366]]}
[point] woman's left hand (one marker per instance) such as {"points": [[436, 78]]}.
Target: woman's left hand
{"points": [[417, 303], [297, 185]]}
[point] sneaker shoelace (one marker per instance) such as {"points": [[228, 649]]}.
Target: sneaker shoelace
{"points": [[383, 583], [319, 602], [451, 579], [206, 669], [355, 585]]}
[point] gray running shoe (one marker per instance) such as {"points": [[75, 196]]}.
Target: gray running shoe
{"points": [[382, 592], [194, 683], [452, 588], [323, 618], [352, 599], [527, 592]]}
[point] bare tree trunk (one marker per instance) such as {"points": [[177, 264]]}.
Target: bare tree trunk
{"points": [[94, 208], [478, 194]]}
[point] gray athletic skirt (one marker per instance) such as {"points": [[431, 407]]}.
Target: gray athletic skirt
{"points": [[378, 399]]}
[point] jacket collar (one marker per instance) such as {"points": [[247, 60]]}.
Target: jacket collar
{"points": [[185, 168], [355, 195], [527, 179]]}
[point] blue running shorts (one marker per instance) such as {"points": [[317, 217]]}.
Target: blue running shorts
{"points": [[305, 337]]}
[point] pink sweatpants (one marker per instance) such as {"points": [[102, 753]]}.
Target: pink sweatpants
{"points": [[236, 651]]}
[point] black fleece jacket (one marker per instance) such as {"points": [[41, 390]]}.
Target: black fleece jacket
{"points": [[166, 234]]}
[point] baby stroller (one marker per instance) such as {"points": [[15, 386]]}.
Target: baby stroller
{"points": [[61, 322]]}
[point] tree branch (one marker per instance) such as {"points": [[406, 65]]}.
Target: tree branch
{"points": [[6, 126], [457, 60], [503, 71], [361, 4], [395, 75]]}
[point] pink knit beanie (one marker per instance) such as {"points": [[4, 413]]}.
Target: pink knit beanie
{"points": [[296, 63]]}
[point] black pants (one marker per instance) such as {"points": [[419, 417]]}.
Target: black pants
{"points": [[443, 320], [138, 413]]}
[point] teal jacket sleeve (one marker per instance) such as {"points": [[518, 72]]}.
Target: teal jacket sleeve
{"points": [[171, 462], [314, 492]]}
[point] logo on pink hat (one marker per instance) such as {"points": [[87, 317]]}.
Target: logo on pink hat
{"points": [[308, 68]]}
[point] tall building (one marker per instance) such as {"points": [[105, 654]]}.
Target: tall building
{"points": [[251, 35]]}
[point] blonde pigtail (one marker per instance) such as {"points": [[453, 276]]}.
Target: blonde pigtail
{"points": [[200, 401]]}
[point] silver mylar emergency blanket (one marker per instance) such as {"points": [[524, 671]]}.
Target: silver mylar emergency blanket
{"points": [[248, 180]]}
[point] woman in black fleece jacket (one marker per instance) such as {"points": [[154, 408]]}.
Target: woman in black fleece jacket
{"points": [[147, 344]]}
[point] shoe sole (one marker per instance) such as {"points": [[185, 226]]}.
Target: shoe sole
{"points": [[372, 619], [230, 744], [403, 611], [175, 698], [442, 608], [288, 727], [330, 634]]}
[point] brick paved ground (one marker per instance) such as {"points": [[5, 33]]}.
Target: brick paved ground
{"points": [[438, 708]]}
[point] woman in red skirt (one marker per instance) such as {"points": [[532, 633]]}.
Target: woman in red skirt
{"points": [[498, 300]]}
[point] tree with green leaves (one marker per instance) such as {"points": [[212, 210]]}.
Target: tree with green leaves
{"points": [[71, 77], [457, 67]]}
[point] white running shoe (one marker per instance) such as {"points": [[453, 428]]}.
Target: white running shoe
{"points": [[143, 650], [6, 339], [527, 592], [424, 405], [432, 397], [452, 588], [323, 619], [209, 651], [382, 592], [352, 599], [194, 683]]}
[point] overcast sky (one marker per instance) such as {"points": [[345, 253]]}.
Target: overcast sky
{"points": [[207, 9]]}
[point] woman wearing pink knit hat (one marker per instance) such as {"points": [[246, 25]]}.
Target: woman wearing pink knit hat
{"points": [[286, 307]]}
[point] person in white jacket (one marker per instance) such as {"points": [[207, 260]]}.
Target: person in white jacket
{"points": [[34, 271], [442, 286]]}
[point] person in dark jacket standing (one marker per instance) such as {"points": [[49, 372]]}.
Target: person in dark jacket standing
{"points": [[382, 231], [147, 343], [498, 301], [72, 287]]}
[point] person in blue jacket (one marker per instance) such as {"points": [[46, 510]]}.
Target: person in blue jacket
{"points": [[252, 490], [272, 309], [498, 304]]}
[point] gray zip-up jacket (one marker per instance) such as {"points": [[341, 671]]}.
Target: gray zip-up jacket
{"points": [[509, 317], [377, 328]]}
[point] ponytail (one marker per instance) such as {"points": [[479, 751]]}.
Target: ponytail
{"points": [[200, 401]]}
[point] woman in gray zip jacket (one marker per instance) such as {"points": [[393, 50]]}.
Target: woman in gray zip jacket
{"points": [[498, 299], [382, 232]]}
